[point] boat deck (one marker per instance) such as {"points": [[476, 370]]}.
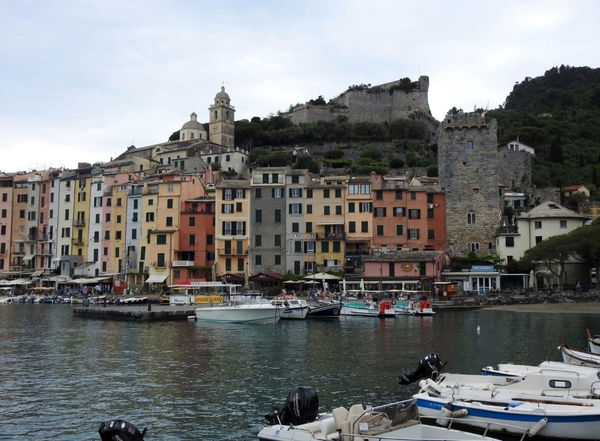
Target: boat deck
{"points": [[135, 312]]}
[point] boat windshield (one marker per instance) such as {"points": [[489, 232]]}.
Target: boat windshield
{"points": [[400, 412], [248, 300]]}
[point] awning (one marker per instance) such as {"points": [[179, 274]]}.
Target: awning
{"points": [[340, 222], [156, 279], [37, 273], [28, 257]]}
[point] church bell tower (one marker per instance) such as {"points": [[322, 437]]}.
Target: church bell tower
{"points": [[221, 120]]}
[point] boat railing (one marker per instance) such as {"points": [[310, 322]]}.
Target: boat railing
{"points": [[448, 421]]}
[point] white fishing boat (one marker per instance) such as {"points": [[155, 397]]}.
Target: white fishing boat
{"points": [[593, 342], [419, 308], [241, 308], [578, 356], [383, 309], [298, 420], [293, 308]]}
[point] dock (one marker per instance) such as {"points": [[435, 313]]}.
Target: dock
{"points": [[143, 312]]}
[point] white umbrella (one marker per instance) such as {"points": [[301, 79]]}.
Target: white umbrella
{"points": [[323, 276], [532, 279], [362, 285], [344, 286]]}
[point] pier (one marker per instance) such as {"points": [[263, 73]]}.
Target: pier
{"points": [[143, 312]]}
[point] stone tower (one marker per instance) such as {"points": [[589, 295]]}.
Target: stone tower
{"points": [[468, 171], [221, 120]]}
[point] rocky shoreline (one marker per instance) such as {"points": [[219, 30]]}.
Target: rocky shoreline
{"points": [[581, 303]]}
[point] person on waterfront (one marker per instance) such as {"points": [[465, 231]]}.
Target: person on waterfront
{"points": [[578, 286], [436, 295], [86, 302]]}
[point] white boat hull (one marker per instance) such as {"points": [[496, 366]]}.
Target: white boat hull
{"points": [[593, 343], [568, 421], [259, 314]]}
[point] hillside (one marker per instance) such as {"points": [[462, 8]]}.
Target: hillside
{"points": [[558, 114]]}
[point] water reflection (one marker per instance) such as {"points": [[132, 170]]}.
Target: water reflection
{"points": [[62, 376]]}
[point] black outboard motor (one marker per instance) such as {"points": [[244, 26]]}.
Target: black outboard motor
{"points": [[301, 406], [120, 430], [429, 366]]}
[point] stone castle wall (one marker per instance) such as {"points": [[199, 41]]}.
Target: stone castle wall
{"points": [[468, 171], [375, 105], [514, 170]]}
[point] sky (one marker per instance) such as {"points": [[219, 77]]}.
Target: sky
{"points": [[80, 81]]}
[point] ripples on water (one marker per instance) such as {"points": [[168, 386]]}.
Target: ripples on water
{"points": [[62, 376]]}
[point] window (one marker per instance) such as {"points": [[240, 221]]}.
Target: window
{"points": [[169, 203], [338, 192], [258, 240], [297, 246], [414, 213], [365, 207], [239, 193], [399, 212], [351, 207], [228, 264], [240, 264], [295, 192], [324, 247], [338, 209], [364, 227], [326, 210], [398, 194], [308, 227], [352, 227], [431, 234], [309, 193], [471, 218], [118, 235], [295, 227], [277, 240], [380, 230], [399, 230], [510, 241], [309, 208], [326, 193], [258, 260], [469, 145], [192, 221], [538, 225], [149, 217], [413, 233], [295, 179], [277, 193], [365, 188], [337, 247], [258, 216], [430, 198], [161, 239], [295, 208], [563, 224], [277, 214], [160, 260], [413, 195], [169, 221], [118, 218], [238, 207], [228, 194], [209, 239], [258, 193], [353, 189], [379, 195], [379, 211], [538, 239], [227, 208], [277, 259], [265, 178]]}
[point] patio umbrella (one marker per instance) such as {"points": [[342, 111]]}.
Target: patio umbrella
{"points": [[362, 285], [343, 286], [532, 279]]}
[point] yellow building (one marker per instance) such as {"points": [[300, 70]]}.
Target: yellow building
{"points": [[231, 226], [325, 199], [359, 222]]}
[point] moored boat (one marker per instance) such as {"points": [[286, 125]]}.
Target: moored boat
{"points": [[383, 309], [324, 309], [241, 309], [578, 356], [293, 308], [419, 308], [593, 342], [298, 420]]}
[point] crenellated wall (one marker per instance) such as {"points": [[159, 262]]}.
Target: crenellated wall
{"points": [[378, 104]]}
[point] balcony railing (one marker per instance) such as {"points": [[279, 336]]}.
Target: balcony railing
{"points": [[509, 229], [329, 236], [79, 222]]}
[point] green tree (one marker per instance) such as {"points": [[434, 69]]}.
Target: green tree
{"points": [[553, 253]]}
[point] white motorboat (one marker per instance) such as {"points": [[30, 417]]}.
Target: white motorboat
{"points": [[593, 342], [293, 308], [579, 356], [298, 421], [383, 309], [241, 309], [500, 408], [419, 308]]}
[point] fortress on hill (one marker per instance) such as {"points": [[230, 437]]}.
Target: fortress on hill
{"points": [[382, 103]]}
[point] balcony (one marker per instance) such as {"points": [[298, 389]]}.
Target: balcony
{"points": [[331, 236], [78, 242], [183, 263], [79, 222], [508, 229]]}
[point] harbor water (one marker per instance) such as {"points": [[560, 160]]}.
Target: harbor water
{"points": [[62, 376]]}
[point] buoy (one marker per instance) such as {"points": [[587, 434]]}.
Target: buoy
{"points": [[478, 329], [538, 426], [445, 415], [460, 413]]}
